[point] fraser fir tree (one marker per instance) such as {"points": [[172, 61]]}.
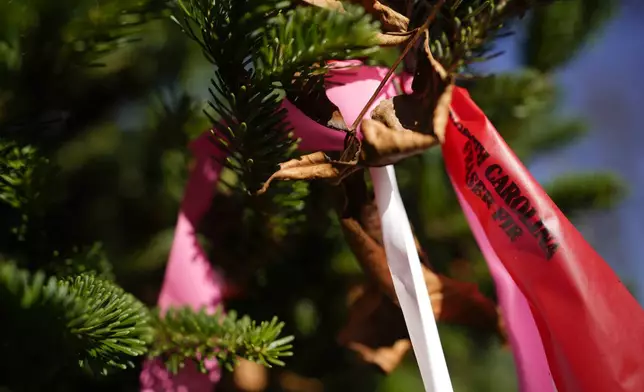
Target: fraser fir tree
{"points": [[68, 321], [88, 200]]}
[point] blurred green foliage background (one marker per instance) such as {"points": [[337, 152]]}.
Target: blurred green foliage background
{"points": [[113, 116]]}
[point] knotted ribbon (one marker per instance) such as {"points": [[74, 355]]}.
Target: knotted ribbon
{"points": [[190, 280], [352, 88]]}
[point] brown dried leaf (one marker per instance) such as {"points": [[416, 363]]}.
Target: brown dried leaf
{"points": [[360, 222], [453, 301], [307, 167], [390, 19], [352, 148], [357, 205], [432, 94], [461, 303], [376, 330], [330, 4], [394, 39], [410, 123], [387, 358], [369, 253], [250, 376], [384, 146], [293, 382], [313, 101], [315, 166]]}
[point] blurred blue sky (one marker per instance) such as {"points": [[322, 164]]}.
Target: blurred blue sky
{"points": [[603, 85]]}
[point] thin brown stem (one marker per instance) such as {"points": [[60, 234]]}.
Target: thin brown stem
{"points": [[410, 44]]}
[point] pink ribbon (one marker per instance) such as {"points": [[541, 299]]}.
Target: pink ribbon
{"points": [[529, 356], [190, 279]]}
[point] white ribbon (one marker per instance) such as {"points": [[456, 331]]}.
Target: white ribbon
{"points": [[409, 281]]}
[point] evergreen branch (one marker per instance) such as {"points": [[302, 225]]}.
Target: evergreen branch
{"points": [[95, 324], [23, 174], [578, 192], [558, 32], [107, 26], [464, 30], [258, 48], [509, 100], [87, 260], [88, 321], [268, 217], [521, 105], [419, 32], [93, 30], [557, 134], [17, 167], [296, 40], [248, 123], [37, 105], [251, 127], [183, 335], [24, 177], [542, 135], [114, 326], [228, 31]]}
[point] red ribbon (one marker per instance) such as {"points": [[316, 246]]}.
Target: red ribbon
{"points": [[592, 328]]}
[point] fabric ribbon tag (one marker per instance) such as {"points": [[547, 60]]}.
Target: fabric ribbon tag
{"points": [[565, 310], [352, 90], [590, 326], [190, 279], [409, 281], [533, 372]]}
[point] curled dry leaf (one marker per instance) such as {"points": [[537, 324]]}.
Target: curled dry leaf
{"points": [[307, 167], [408, 124], [453, 301], [376, 329], [370, 255], [310, 97], [319, 165], [387, 358], [462, 303], [330, 4], [293, 382], [426, 109], [381, 146], [361, 227], [250, 376], [316, 166], [391, 20], [384, 146], [385, 143], [394, 39]]}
